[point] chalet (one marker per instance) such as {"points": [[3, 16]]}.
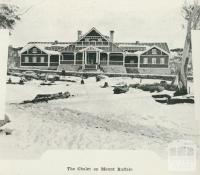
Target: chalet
{"points": [[97, 52]]}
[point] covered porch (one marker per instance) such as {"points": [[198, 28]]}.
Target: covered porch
{"points": [[92, 57], [131, 60]]}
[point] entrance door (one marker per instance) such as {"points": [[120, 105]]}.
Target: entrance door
{"points": [[91, 57]]}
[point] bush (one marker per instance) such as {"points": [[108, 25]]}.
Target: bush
{"points": [[152, 87], [155, 86], [134, 85]]}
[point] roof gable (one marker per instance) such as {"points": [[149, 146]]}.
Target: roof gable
{"points": [[159, 51], [36, 50], [93, 33], [39, 47], [135, 46]]}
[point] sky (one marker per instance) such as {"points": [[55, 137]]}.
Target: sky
{"points": [[132, 20]]}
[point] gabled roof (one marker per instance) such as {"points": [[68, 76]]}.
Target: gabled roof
{"points": [[42, 47], [161, 45], [93, 29], [149, 48]]}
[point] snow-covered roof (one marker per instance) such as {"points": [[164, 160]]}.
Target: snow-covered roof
{"points": [[130, 45], [43, 47], [137, 52], [161, 45], [91, 48]]}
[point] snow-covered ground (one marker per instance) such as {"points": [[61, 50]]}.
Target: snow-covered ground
{"points": [[94, 118]]}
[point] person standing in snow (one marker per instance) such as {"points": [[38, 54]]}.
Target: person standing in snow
{"points": [[63, 73], [82, 81]]}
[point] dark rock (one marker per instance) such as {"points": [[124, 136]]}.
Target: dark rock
{"points": [[161, 96], [47, 97], [121, 89], [180, 100], [105, 85]]}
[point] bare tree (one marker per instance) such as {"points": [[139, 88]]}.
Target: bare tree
{"points": [[192, 16]]}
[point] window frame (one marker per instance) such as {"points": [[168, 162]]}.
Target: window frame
{"points": [[42, 58], [26, 59], [34, 50], [162, 60], [154, 61], [154, 51], [34, 59], [145, 60]]}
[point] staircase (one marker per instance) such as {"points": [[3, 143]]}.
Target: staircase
{"points": [[114, 69], [68, 67], [90, 67]]}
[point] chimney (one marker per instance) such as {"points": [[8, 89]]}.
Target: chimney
{"points": [[112, 35], [55, 42], [79, 34], [137, 42]]}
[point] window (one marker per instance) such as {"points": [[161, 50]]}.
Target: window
{"points": [[153, 60], [154, 51], [162, 60], [34, 50], [26, 59], [34, 59], [42, 59], [145, 61]]}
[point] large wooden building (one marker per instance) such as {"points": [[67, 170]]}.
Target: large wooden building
{"points": [[94, 51]]}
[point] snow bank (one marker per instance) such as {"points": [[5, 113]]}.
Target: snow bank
{"points": [[94, 118]]}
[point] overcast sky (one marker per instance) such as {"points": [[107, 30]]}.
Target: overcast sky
{"points": [[142, 20]]}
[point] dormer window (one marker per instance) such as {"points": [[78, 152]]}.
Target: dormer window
{"points": [[154, 51]]}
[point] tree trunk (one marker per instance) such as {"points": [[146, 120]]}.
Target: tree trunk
{"points": [[182, 74], [193, 22]]}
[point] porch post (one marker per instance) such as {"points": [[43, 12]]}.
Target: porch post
{"points": [[85, 57], [97, 57], [59, 59], [123, 59], [138, 61], [20, 59], [48, 60], [108, 58], [99, 61], [74, 58]]}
